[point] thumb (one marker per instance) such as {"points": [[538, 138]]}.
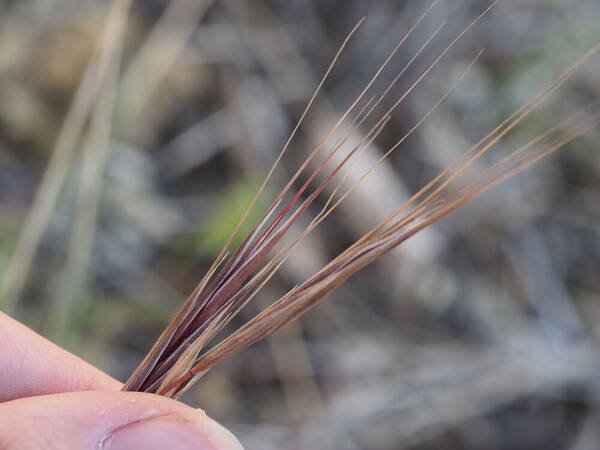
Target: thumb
{"points": [[108, 421]]}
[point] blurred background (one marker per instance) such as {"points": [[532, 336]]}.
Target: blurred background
{"points": [[133, 134]]}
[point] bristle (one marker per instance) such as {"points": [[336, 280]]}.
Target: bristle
{"points": [[182, 353]]}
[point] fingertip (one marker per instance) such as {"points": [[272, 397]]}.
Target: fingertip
{"points": [[111, 421]]}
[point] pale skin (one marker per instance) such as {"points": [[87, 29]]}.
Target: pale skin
{"points": [[51, 399]]}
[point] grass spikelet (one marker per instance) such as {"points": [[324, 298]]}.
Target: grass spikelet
{"points": [[183, 353]]}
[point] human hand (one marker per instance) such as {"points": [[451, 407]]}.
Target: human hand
{"points": [[50, 399]]}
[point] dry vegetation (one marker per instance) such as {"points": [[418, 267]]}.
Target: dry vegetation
{"points": [[133, 135]]}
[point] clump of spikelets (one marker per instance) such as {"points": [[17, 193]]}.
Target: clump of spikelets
{"points": [[185, 351]]}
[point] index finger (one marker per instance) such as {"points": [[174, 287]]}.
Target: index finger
{"points": [[32, 365]]}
